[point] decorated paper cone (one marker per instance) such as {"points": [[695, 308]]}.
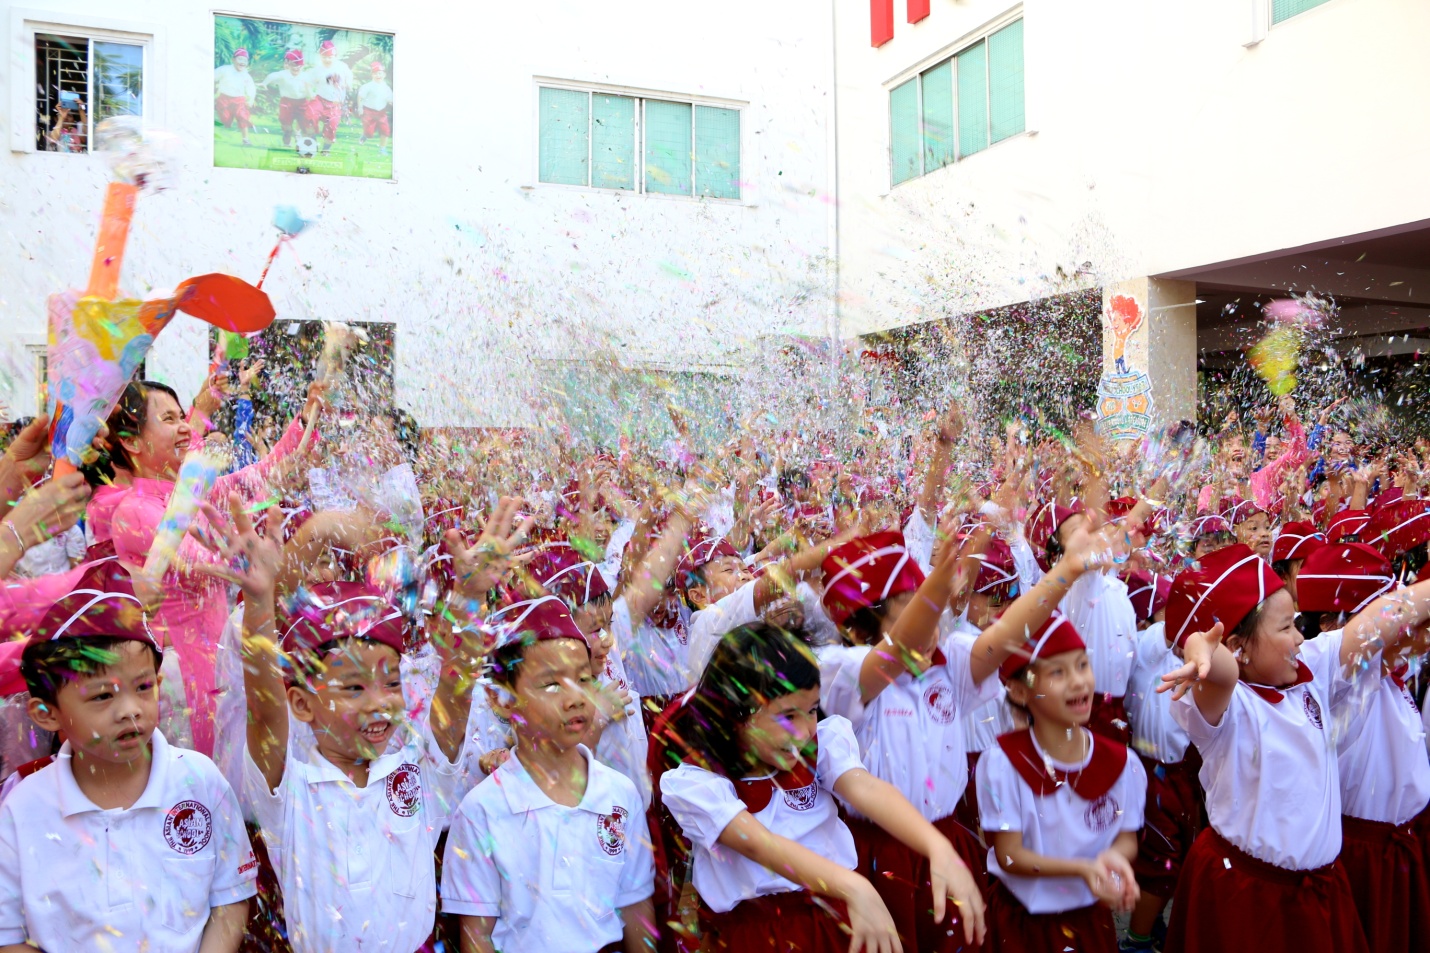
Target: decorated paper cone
{"points": [[113, 236], [197, 475]]}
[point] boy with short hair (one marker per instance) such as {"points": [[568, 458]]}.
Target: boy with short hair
{"points": [[294, 91], [122, 842], [547, 851], [331, 79], [235, 91], [375, 98]]}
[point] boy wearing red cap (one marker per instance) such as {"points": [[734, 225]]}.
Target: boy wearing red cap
{"points": [[1259, 709], [294, 90], [549, 852], [1385, 777], [235, 92], [1060, 805], [331, 81], [1294, 542], [122, 838], [375, 98]]}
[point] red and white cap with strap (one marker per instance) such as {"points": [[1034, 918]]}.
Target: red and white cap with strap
{"points": [[1342, 577], [1230, 583], [1297, 540], [1398, 527], [1054, 637], [867, 571]]}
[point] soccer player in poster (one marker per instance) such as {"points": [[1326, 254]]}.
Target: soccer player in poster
{"points": [[294, 91], [332, 80], [375, 98], [235, 92]]}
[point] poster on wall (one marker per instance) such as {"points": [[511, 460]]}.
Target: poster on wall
{"points": [[1124, 391], [294, 97]]}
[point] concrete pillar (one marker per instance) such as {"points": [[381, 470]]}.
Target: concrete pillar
{"points": [[1149, 356]]}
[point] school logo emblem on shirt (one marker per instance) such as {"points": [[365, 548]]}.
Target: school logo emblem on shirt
{"points": [[1409, 699], [682, 635], [802, 799], [939, 698], [188, 827], [1313, 709], [1101, 814], [404, 790], [611, 830]]}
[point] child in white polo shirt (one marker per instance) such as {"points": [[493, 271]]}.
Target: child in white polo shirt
{"points": [[549, 853], [350, 824], [122, 843]]}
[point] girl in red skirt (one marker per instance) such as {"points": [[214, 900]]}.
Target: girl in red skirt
{"points": [[1263, 710], [1385, 776], [1060, 807], [771, 860]]}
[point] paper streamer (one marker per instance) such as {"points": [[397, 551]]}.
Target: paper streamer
{"points": [[197, 476]]}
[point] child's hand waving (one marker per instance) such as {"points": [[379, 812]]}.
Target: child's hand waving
{"points": [[481, 566], [1197, 654], [247, 560]]}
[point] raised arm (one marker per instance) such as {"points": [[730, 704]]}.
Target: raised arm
{"points": [[1385, 625], [1210, 670], [950, 428]]}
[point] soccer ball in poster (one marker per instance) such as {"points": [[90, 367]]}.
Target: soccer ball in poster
{"points": [[307, 146]]}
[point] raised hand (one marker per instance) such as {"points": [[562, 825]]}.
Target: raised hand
{"points": [[246, 559], [1197, 655], [48, 510], [482, 565]]}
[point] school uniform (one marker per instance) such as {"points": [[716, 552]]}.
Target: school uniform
{"points": [[1076, 811], [356, 864], [911, 735], [330, 85], [293, 95], [624, 745], [554, 877], [1264, 875], [709, 625], [1385, 789], [1174, 797], [235, 90], [744, 905], [1098, 606], [74, 876], [375, 98]]}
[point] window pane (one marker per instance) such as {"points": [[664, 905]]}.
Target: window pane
{"points": [[118, 80], [667, 147], [904, 146], [972, 100], [938, 116], [562, 137], [61, 93], [1285, 9], [1005, 81], [613, 142], [717, 152]]}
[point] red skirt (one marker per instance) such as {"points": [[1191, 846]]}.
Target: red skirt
{"points": [[1012, 929], [1386, 866], [901, 875], [1109, 718], [1173, 819], [1231, 902], [792, 922]]}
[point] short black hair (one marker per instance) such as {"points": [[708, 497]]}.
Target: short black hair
{"points": [[47, 664], [305, 664], [504, 664], [865, 622]]}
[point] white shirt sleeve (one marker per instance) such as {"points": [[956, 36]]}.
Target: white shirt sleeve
{"points": [[236, 873], [703, 803], [958, 660], [1024, 562], [918, 537], [709, 625], [1206, 736], [471, 882], [1134, 791], [12, 906], [264, 806], [74, 543], [839, 668], [999, 797], [838, 750], [638, 872]]}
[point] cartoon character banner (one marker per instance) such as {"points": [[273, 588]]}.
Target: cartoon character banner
{"points": [[294, 97], [1124, 392]]}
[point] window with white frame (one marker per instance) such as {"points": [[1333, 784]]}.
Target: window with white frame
{"points": [[1286, 9], [606, 140], [79, 82], [957, 107]]}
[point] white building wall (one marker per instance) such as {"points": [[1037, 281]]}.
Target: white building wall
{"points": [[481, 268], [1160, 136]]}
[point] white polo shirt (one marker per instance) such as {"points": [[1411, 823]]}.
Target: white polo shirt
{"points": [[709, 625], [355, 864], [288, 85], [229, 80], [704, 803], [555, 877], [1270, 770], [1098, 607], [1061, 824], [330, 82], [1155, 733], [624, 743], [1385, 775], [76, 877], [912, 733]]}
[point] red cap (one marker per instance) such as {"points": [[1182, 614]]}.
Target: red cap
{"points": [[1342, 577], [1230, 583], [378, 68], [1045, 523], [997, 575], [328, 611], [707, 549], [537, 620], [1398, 527], [1347, 523], [1236, 510], [562, 572], [327, 46], [102, 605], [1297, 540], [1053, 637], [239, 52], [1147, 592], [1206, 525], [293, 56], [867, 571], [1120, 507], [1386, 497]]}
